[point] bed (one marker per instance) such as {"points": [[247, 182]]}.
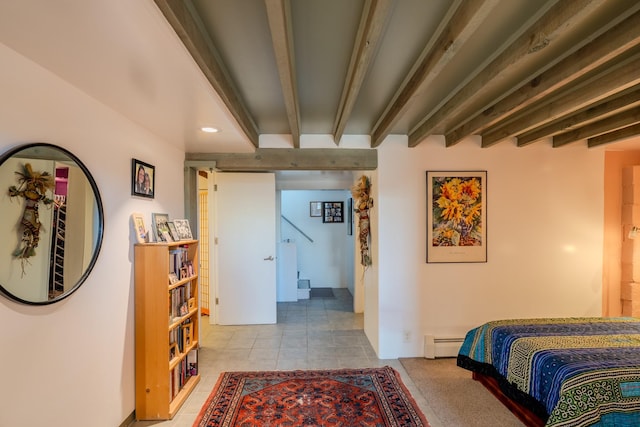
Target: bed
{"points": [[560, 372]]}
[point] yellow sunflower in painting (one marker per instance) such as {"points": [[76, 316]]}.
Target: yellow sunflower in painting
{"points": [[457, 211]]}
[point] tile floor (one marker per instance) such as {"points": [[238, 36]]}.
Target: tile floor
{"points": [[318, 333]]}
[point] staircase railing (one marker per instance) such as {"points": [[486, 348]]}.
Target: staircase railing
{"points": [[297, 228]]}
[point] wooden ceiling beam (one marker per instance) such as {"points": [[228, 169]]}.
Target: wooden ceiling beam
{"points": [[372, 24], [270, 159], [604, 82], [614, 136], [622, 37], [279, 16], [556, 21], [611, 105], [190, 30], [465, 18], [608, 124]]}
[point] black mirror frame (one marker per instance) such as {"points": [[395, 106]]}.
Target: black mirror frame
{"points": [[10, 153]]}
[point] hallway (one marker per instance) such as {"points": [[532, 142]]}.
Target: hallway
{"points": [[318, 333]]}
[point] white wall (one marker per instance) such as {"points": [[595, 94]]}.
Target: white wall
{"points": [[544, 235], [74, 360], [328, 260]]}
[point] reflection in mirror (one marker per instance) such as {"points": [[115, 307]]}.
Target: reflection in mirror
{"points": [[51, 223]]}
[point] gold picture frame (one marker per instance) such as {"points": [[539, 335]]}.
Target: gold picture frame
{"points": [[187, 336], [142, 235], [174, 351]]}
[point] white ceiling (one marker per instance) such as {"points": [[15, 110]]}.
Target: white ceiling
{"points": [[125, 54]]}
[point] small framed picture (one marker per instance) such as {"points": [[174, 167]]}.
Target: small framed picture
{"points": [[173, 278], [143, 179], [187, 335], [184, 309], [172, 230], [315, 208], [183, 229], [333, 212], [189, 267], [142, 235], [173, 351], [192, 303], [160, 223]]}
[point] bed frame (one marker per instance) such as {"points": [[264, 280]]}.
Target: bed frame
{"points": [[529, 418]]}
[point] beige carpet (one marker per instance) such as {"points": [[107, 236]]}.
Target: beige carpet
{"points": [[455, 398]]}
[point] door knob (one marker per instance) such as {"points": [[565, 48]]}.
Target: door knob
{"points": [[269, 258]]}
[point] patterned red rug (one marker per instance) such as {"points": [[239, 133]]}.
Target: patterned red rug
{"points": [[345, 397]]}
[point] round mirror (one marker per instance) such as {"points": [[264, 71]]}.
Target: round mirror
{"points": [[51, 223]]}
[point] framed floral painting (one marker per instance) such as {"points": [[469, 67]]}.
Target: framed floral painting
{"points": [[456, 216]]}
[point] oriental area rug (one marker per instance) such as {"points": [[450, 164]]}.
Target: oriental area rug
{"points": [[344, 397]]}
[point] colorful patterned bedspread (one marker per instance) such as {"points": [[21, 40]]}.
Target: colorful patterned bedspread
{"points": [[584, 371]]}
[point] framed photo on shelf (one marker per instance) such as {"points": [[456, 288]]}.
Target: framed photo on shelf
{"points": [[173, 278], [187, 335], [456, 216], [192, 303], [315, 209], [142, 235], [173, 351], [333, 212], [143, 178], [183, 309], [183, 229], [161, 229], [172, 230]]}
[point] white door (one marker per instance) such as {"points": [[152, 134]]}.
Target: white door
{"points": [[245, 220]]}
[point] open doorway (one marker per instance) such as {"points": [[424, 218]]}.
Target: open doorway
{"points": [[336, 238], [316, 239]]}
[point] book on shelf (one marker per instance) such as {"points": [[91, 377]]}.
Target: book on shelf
{"points": [[192, 361], [184, 370], [179, 302]]}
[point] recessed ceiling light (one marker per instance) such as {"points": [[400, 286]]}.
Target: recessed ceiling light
{"points": [[209, 129]]}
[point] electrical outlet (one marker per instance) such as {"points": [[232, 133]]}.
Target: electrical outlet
{"points": [[406, 336]]}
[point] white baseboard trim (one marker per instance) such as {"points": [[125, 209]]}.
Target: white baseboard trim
{"points": [[435, 347]]}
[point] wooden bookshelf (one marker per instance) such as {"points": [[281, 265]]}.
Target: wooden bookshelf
{"points": [[165, 374]]}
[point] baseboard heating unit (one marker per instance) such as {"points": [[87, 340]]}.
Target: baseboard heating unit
{"points": [[441, 346]]}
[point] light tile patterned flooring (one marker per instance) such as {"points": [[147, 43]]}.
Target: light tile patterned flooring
{"points": [[318, 333]]}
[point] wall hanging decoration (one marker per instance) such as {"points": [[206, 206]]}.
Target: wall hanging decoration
{"points": [[332, 212], [33, 187], [456, 216], [362, 203], [315, 208], [143, 178], [350, 217]]}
